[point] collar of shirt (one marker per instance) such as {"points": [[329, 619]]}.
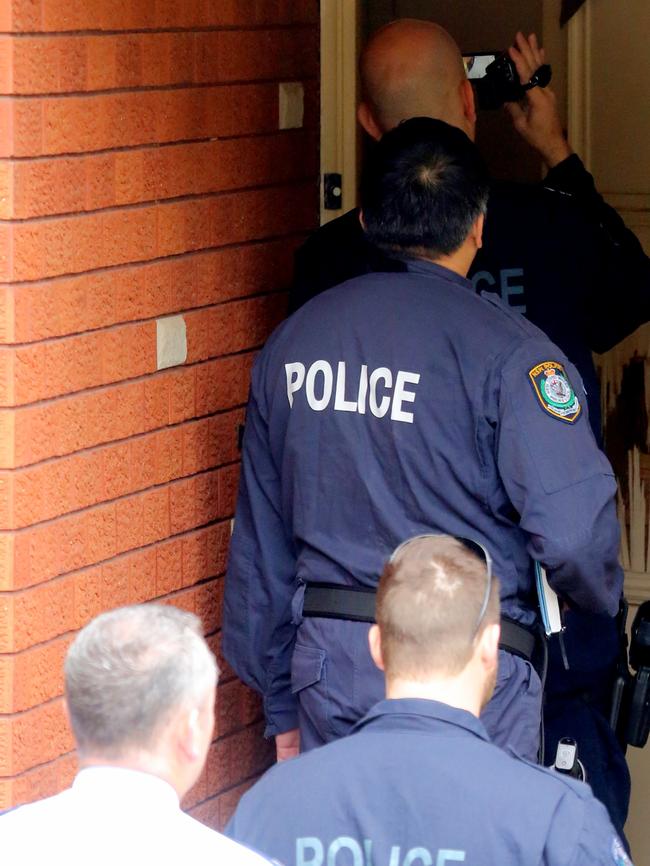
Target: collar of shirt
{"points": [[431, 269], [420, 714], [127, 788]]}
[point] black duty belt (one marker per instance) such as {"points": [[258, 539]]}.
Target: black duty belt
{"points": [[331, 601]]}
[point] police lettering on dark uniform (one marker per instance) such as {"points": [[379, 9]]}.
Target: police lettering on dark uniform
{"points": [[397, 404], [417, 781]]}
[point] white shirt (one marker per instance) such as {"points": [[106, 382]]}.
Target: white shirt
{"points": [[114, 817]]}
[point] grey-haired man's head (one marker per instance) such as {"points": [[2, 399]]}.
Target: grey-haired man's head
{"points": [[140, 684]]}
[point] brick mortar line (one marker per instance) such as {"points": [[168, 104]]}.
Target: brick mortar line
{"points": [[73, 752], [145, 377], [148, 88], [130, 148], [133, 323], [157, 259], [37, 766], [71, 633], [123, 439], [236, 785], [140, 205], [104, 502], [8, 593], [230, 28], [155, 146], [132, 438], [19, 713]]}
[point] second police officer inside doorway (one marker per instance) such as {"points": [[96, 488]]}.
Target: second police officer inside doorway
{"points": [[555, 252], [404, 403]]}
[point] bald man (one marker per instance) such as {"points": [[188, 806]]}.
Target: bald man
{"points": [[554, 252]]}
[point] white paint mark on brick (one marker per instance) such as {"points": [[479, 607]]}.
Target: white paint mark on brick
{"points": [[292, 105], [171, 342]]}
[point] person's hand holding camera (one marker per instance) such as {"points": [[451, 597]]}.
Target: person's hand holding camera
{"points": [[536, 117]]}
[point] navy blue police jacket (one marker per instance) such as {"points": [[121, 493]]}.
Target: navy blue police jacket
{"points": [[555, 252], [398, 404], [417, 783]]}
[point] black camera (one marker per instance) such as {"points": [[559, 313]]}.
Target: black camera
{"points": [[495, 79]]}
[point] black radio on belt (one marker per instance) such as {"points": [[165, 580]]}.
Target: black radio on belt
{"points": [[630, 714], [638, 706], [495, 79]]}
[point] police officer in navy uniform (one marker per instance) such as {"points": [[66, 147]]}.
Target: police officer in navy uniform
{"points": [[554, 252], [417, 781], [401, 403]]}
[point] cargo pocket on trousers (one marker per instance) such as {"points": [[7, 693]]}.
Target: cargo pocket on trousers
{"points": [[309, 685]]}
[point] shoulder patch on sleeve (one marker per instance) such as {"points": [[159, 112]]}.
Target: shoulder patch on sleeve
{"points": [[554, 391], [619, 854]]}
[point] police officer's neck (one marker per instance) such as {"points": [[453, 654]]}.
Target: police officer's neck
{"points": [[459, 262], [462, 691]]}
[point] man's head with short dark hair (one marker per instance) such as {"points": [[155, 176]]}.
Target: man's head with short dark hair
{"points": [[424, 190], [139, 685], [433, 622]]}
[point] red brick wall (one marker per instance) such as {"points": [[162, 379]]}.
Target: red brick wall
{"points": [[142, 173]]}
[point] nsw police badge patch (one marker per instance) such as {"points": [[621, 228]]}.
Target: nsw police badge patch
{"points": [[554, 391]]}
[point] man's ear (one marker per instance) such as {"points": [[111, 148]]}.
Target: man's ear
{"points": [[476, 232], [489, 645], [361, 219], [469, 102], [374, 642], [189, 734], [367, 121]]}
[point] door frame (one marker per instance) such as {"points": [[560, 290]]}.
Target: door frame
{"points": [[339, 138]]}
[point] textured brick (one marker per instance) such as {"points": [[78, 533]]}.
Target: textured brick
{"points": [[156, 515], [36, 615], [116, 583], [182, 505], [79, 243], [169, 454], [228, 482], [73, 15], [237, 757], [117, 482], [169, 573], [38, 735], [194, 558], [33, 676], [199, 449], [142, 567], [256, 54], [206, 493], [129, 515], [77, 124], [87, 594], [237, 707], [36, 311], [34, 556], [217, 540], [222, 383], [42, 781]]}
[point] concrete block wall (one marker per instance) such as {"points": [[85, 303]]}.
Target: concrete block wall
{"points": [[143, 174]]}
